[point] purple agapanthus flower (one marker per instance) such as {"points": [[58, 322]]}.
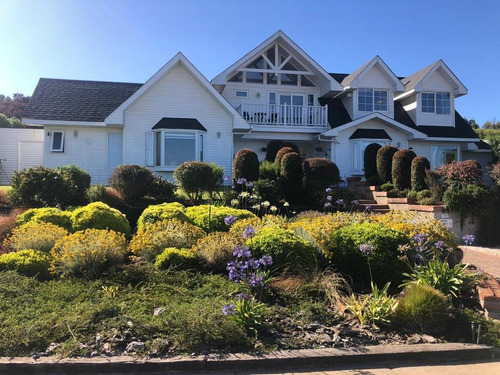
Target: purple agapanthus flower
{"points": [[440, 245], [256, 280], [420, 238], [479, 271], [328, 190], [419, 259], [242, 252], [327, 205], [468, 239], [249, 232], [339, 201], [229, 309], [241, 181], [329, 198], [366, 248], [249, 184], [227, 178], [230, 220], [355, 202], [266, 260], [244, 295]]}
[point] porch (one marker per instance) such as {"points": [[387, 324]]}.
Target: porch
{"points": [[285, 115]]}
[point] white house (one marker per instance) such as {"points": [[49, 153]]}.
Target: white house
{"points": [[274, 92]]}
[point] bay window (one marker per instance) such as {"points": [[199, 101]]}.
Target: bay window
{"points": [[169, 149]]}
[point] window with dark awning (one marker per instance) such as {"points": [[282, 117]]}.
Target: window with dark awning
{"points": [[179, 123], [370, 134]]}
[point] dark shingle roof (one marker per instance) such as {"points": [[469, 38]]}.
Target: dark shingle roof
{"points": [[411, 81], [179, 123], [337, 114], [72, 100], [339, 77], [370, 134]]}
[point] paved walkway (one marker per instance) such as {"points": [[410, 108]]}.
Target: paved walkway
{"points": [[486, 258]]}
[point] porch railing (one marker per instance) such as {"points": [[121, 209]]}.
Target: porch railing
{"points": [[285, 115]]}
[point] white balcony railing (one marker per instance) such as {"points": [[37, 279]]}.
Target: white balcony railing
{"points": [[285, 115]]}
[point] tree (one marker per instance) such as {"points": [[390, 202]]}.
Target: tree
{"points": [[473, 124], [13, 107], [492, 124]]}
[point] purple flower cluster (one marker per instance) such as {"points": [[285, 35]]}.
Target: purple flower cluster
{"points": [[440, 245], [328, 190], [366, 248], [340, 201], [468, 239], [241, 181], [327, 205], [329, 198], [420, 238], [355, 202], [249, 232], [244, 268], [230, 220], [229, 309]]}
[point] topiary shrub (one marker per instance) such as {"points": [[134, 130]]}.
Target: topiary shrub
{"points": [[345, 253], [151, 240], [274, 146], [216, 249], [161, 212], [422, 308], [162, 190], [268, 171], [88, 253], [281, 152], [319, 173], [288, 250], [384, 163], [370, 160], [27, 262], [246, 165], [46, 215], [418, 167], [463, 173], [38, 187], [401, 169], [78, 181], [99, 215], [132, 181], [35, 236], [211, 218], [195, 177], [291, 177], [180, 259]]}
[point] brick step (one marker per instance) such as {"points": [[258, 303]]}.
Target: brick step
{"points": [[367, 201], [373, 206], [489, 296]]}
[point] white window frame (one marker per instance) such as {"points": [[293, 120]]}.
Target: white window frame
{"points": [[373, 100], [236, 92], [61, 148], [434, 94]]}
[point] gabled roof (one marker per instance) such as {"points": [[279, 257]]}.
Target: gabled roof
{"points": [[414, 81], [179, 123], [351, 80], [337, 114], [279, 36], [370, 134], [73, 100]]}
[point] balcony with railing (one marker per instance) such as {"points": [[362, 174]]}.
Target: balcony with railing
{"points": [[285, 115]]}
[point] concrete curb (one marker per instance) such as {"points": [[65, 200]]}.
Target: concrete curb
{"points": [[293, 359]]}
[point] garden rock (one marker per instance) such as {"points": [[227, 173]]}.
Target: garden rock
{"points": [[135, 346]]}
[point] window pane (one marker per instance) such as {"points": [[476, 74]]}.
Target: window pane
{"points": [[57, 141], [272, 98], [157, 148], [272, 79], [242, 94], [179, 148], [289, 79], [380, 98], [365, 99], [443, 155], [237, 78], [255, 77], [114, 149], [443, 103], [427, 102]]}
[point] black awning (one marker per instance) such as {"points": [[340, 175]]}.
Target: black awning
{"points": [[179, 123], [370, 134]]}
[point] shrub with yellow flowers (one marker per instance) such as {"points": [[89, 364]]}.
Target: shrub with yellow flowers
{"points": [[257, 223], [27, 262], [36, 236], [211, 218], [99, 215], [160, 212], [46, 215], [216, 249]]}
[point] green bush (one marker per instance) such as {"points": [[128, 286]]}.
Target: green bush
{"points": [[99, 215], [267, 190], [268, 170], [495, 173], [211, 218], [88, 253], [246, 165], [107, 195], [418, 167], [319, 173], [274, 146], [46, 215], [388, 186], [162, 190], [132, 181], [181, 259], [370, 160], [216, 249], [401, 169], [152, 239], [282, 152], [78, 181], [288, 250], [35, 236], [160, 212], [27, 262], [468, 201], [38, 187], [291, 177], [384, 163], [384, 261], [195, 177], [421, 308]]}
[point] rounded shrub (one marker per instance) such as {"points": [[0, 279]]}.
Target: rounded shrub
{"points": [[27, 262], [152, 239], [291, 177], [38, 187], [160, 212], [319, 173], [495, 173], [99, 215], [246, 165], [274, 146], [257, 223], [418, 167], [384, 163], [421, 308], [46, 215], [370, 160], [211, 218], [181, 259], [88, 253], [195, 177], [462, 173], [162, 190], [288, 250], [216, 249], [281, 152], [35, 236], [401, 169], [132, 181], [78, 181], [345, 253], [268, 171]]}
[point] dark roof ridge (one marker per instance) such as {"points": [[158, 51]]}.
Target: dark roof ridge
{"points": [[90, 81]]}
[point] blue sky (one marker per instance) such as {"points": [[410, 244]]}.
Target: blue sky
{"points": [[128, 41]]}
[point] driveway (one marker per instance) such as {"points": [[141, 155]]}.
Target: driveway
{"points": [[488, 259]]}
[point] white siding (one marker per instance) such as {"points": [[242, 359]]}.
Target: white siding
{"points": [[436, 83], [88, 149], [19, 142], [178, 94]]}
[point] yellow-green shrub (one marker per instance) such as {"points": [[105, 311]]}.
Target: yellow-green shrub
{"points": [[177, 258], [216, 249], [99, 215], [27, 262], [288, 250], [36, 236], [153, 239], [257, 223], [88, 253], [160, 212], [46, 215], [211, 218]]}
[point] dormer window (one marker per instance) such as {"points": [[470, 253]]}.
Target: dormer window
{"points": [[438, 102], [372, 100]]}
